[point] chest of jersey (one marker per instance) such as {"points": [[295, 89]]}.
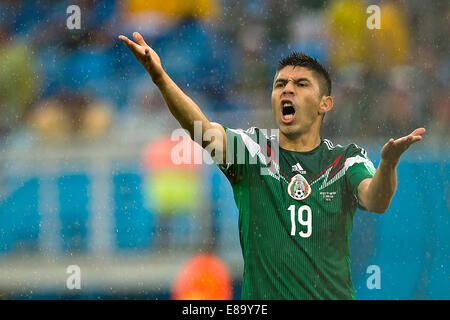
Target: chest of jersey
{"points": [[302, 196]]}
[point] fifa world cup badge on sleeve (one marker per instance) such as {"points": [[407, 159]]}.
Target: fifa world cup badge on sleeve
{"points": [[299, 188]]}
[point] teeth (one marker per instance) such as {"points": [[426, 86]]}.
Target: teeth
{"points": [[288, 116], [287, 104]]}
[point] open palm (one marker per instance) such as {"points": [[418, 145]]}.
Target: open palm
{"points": [[145, 55], [393, 149]]}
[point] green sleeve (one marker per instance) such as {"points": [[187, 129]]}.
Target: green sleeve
{"points": [[358, 168], [240, 150]]}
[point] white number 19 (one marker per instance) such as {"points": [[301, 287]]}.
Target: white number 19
{"points": [[307, 223]]}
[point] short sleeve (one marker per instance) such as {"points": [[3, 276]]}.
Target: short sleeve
{"points": [[241, 151], [358, 167]]}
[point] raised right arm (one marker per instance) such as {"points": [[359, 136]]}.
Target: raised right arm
{"points": [[183, 108]]}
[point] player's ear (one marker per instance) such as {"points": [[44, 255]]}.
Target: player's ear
{"points": [[326, 104]]}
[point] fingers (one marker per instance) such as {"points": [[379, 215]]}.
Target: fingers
{"points": [[418, 132], [389, 144], [415, 139], [414, 136], [130, 44], [124, 39], [141, 51], [147, 59], [393, 149], [139, 39], [137, 50], [404, 142]]}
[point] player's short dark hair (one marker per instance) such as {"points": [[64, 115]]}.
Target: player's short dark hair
{"points": [[300, 59]]}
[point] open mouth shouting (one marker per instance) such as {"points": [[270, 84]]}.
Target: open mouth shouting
{"points": [[287, 111]]}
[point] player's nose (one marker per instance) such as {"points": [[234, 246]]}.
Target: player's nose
{"points": [[288, 88]]}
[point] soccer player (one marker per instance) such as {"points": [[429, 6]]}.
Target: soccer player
{"points": [[296, 194]]}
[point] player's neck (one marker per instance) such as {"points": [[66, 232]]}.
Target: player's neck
{"points": [[302, 143]]}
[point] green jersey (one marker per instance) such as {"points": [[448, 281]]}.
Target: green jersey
{"points": [[295, 215]]}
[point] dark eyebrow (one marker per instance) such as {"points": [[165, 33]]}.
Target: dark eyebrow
{"points": [[302, 79], [295, 80]]}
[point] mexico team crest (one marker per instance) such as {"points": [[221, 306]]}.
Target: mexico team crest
{"points": [[299, 188]]}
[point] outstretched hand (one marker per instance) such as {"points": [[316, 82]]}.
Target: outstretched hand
{"points": [[393, 149], [145, 55]]}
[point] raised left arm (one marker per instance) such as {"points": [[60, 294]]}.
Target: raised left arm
{"points": [[376, 193]]}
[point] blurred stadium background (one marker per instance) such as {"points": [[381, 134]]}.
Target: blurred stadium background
{"points": [[85, 136]]}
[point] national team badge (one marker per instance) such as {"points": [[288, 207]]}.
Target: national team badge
{"points": [[299, 188]]}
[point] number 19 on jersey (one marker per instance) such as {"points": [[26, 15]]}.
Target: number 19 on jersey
{"points": [[301, 212]]}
